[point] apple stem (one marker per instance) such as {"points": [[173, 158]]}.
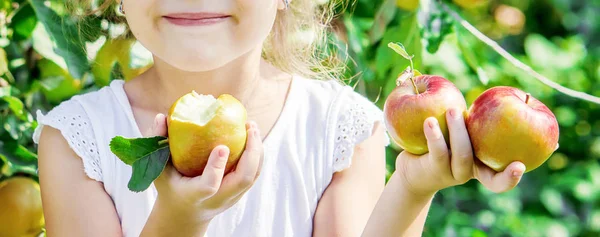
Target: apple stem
{"points": [[164, 141], [414, 85], [412, 80], [527, 98]]}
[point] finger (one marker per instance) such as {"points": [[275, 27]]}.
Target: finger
{"points": [[438, 151], [159, 126], [499, 182], [210, 181], [461, 160], [248, 166]]}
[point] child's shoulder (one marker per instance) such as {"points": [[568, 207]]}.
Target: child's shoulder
{"points": [[82, 120], [329, 87], [340, 97], [350, 117]]}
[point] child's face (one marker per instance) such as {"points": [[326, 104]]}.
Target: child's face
{"points": [[186, 35]]}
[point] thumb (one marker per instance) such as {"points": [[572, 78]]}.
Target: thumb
{"points": [[210, 181], [159, 126], [500, 182]]}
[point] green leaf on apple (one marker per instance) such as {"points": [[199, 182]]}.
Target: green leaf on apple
{"points": [[399, 48], [147, 169], [129, 150], [147, 157]]}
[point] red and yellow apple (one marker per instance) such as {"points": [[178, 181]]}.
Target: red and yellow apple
{"points": [[199, 123], [506, 124], [409, 104]]}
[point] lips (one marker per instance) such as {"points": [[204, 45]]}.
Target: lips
{"points": [[195, 19]]}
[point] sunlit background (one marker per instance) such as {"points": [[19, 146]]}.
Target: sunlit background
{"points": [[43, 62]]}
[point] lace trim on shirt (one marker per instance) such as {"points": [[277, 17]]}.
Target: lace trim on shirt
{"points": [[76, 128], [355, 124]]}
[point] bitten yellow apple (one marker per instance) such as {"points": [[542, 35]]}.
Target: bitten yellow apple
{"points": [[199, 123]]}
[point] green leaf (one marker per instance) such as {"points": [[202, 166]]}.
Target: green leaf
{"points": [[468, 45], [356, 38], [437, 25], [11, 126], [399, 48], [147, 169], [478, 233], [16, 106], [23, 22], [389, 64], [465, 43], [406, 33], [385, 14], [131, 150], [66, 37], [417, 73], [56, 83], [8, 168], [17, 154]]}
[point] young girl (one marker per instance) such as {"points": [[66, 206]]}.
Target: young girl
{"points": [[314, 164]]}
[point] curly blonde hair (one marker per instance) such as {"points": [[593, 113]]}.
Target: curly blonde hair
{"points": [[298, 43]]}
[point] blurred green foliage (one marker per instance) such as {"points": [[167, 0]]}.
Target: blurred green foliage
{"points": [[46, 57]]}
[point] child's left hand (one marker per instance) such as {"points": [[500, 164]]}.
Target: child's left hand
{"points": [[442, 167]]}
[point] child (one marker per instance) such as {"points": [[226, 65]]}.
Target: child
{"points": [[315, 157]]}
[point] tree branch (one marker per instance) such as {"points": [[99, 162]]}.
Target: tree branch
{"points": [[517, 63]]}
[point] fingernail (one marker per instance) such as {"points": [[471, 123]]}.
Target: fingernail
{"points": [[519, 170], [455, 114], [156, 118], [435, 128], [223, 152]]}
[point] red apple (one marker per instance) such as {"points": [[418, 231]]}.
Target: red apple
{"points": [[407, 107], [506, 124]]}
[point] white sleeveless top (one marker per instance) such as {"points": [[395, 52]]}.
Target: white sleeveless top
{"points": [[314, 137]]}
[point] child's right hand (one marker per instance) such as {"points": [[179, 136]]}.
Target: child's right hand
{"points": [[203, 197], [442, 167]]}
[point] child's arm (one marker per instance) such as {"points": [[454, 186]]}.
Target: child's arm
{"points": [[398, 212], [348, 201], [74, 205], [418, 178]]}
